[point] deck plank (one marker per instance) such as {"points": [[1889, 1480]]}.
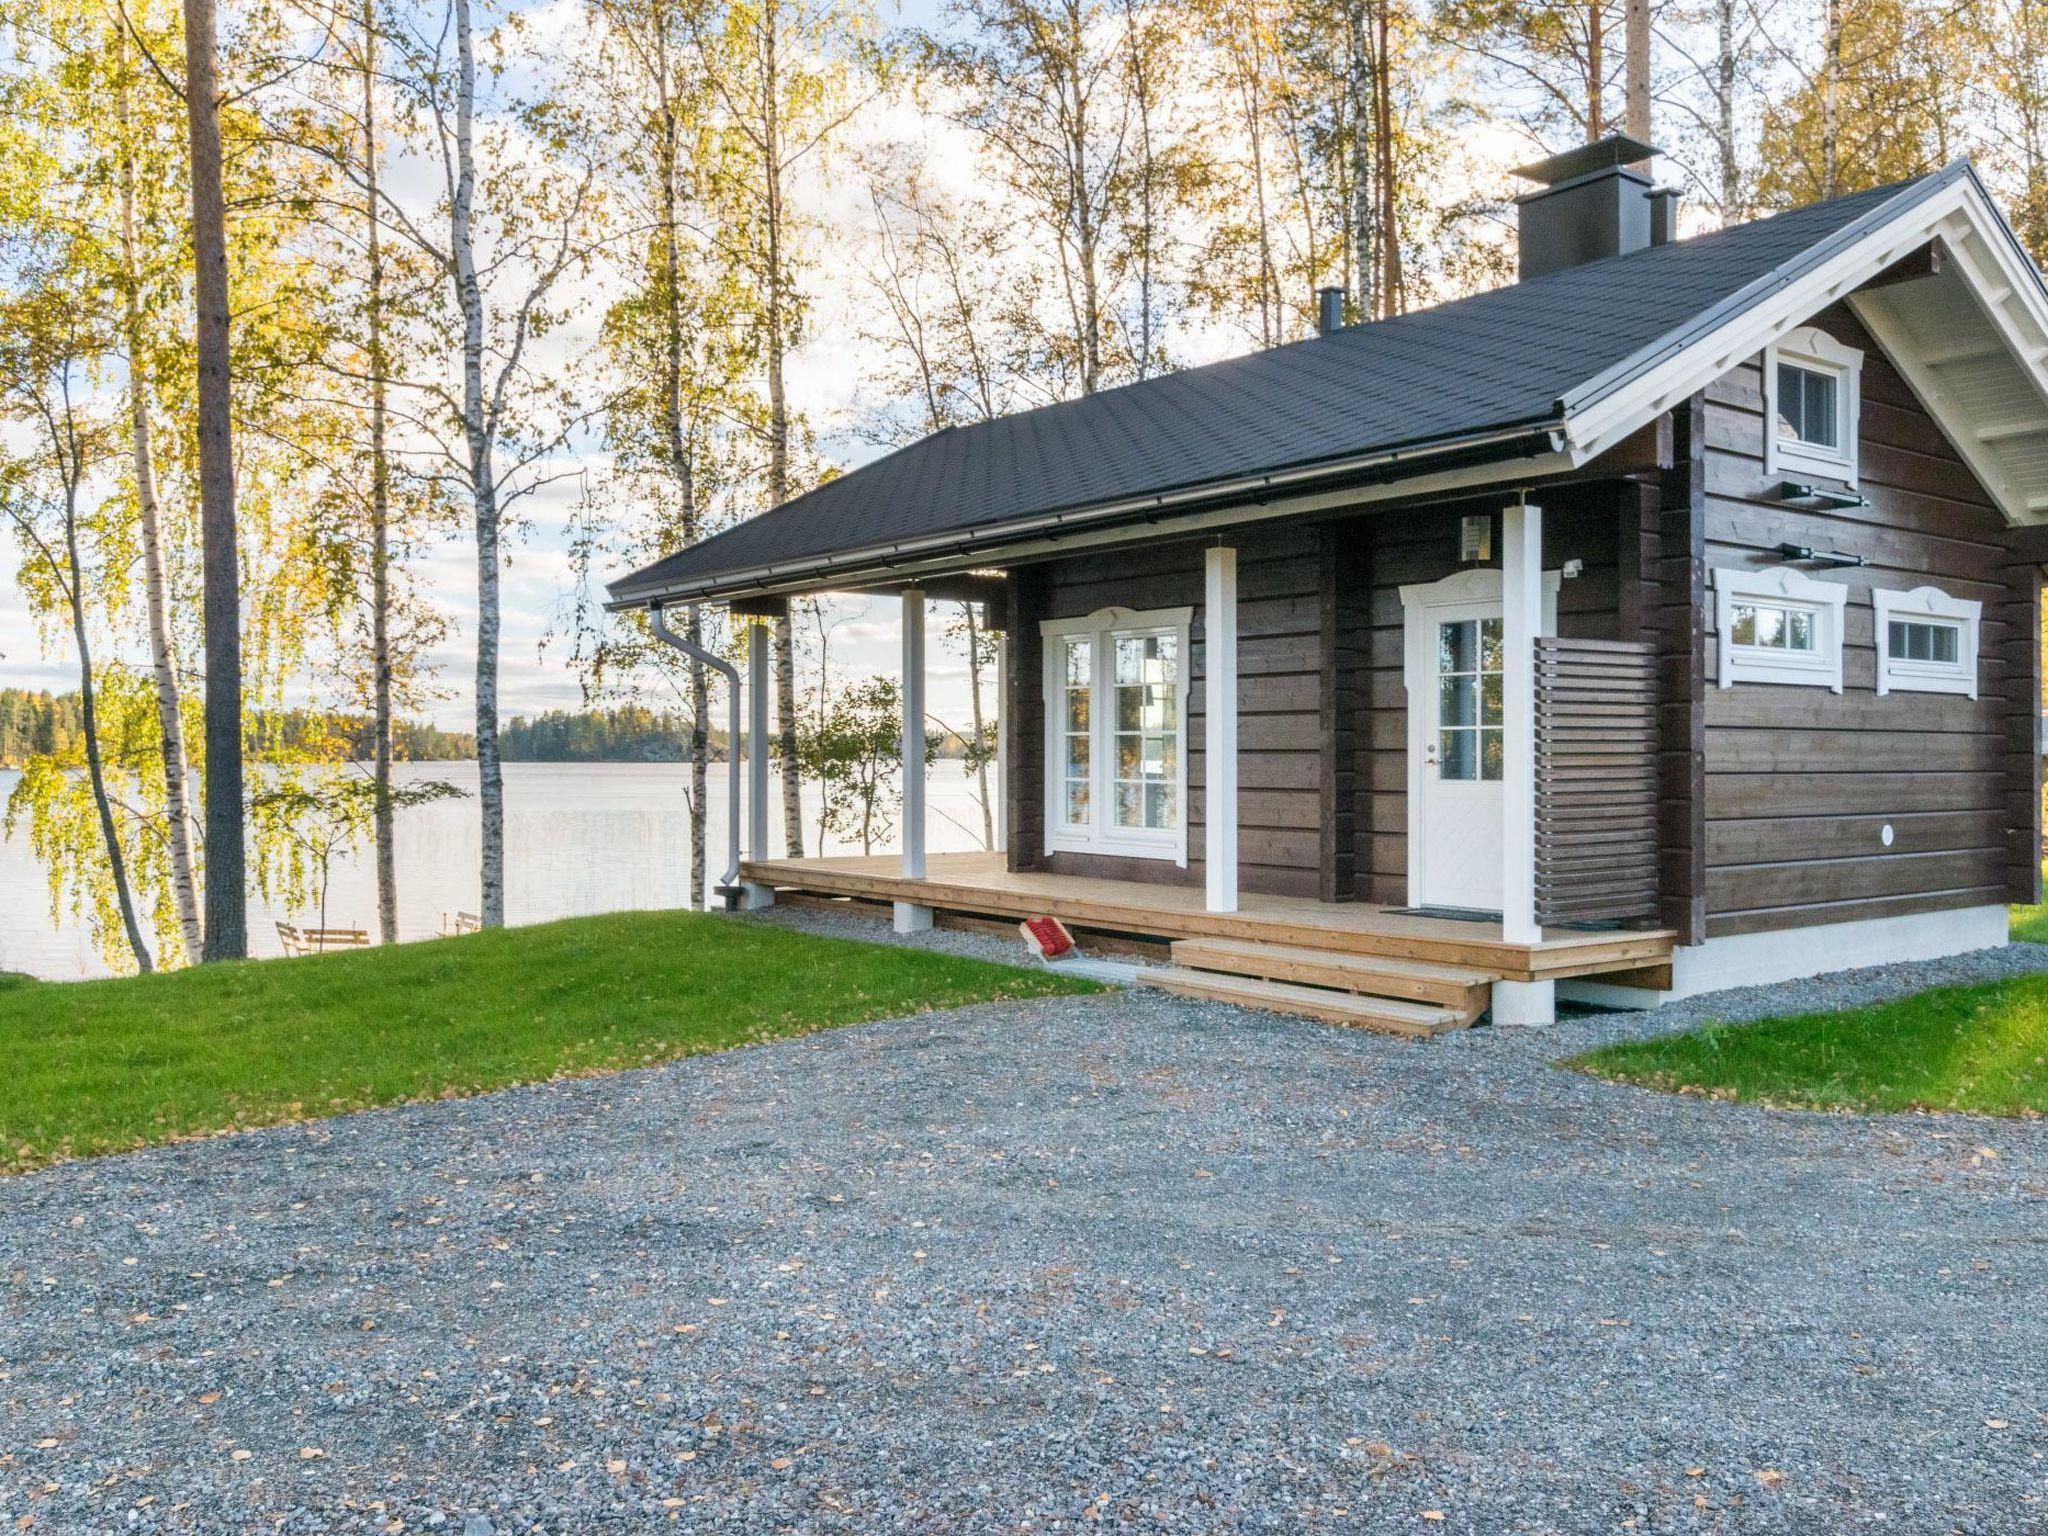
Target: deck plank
{"points": [[980, 882]]}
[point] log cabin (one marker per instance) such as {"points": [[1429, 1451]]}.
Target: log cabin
{"points": [[1664, 621]]}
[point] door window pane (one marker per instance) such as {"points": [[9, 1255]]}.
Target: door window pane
{"points": [[1469, 700]]}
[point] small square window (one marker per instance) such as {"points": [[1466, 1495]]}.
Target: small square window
{"points": [[1772, 627], [1927, 642], [1779, 626], [1811, 406]]}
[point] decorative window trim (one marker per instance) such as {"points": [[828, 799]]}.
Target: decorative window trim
{"points": [[1897, 674], [1101, 836], [1811, 348], [1785, 587]]}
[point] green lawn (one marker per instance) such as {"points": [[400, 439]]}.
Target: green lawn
{"points": [[102, 1066], [1981, 1049]]}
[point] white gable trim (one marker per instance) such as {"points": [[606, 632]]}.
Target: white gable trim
{"points": [[1953, 207]]}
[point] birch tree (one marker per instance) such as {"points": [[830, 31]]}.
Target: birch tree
{"points": [[516, 197], [784, 75], [683, 345], [49, 346], [164, 671]]}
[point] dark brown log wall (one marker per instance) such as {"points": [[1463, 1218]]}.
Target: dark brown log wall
{"points": [[1800, 781], [1281, 615]]}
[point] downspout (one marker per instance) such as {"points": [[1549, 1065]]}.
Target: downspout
{"points": [[731, 674]]}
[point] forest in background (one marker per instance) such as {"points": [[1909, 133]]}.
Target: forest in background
{"points": [[37, 724], [296, 297]]}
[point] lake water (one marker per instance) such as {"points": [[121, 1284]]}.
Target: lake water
{"points": [[579, 838]]}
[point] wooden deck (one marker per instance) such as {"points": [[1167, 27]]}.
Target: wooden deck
{"points": [[979, 883]]}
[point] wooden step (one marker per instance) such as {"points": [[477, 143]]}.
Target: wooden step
{"points": [[1386, 1014], [1459, 988]]}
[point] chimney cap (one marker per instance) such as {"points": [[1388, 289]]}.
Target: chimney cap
{"points": [[1616, 150]]}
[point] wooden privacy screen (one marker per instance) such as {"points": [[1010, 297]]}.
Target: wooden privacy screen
{"points": [[1596, 781]]}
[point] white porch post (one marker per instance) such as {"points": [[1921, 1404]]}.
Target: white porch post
{"points": [[1219, 708], [911, 917], [1002, 790], [758, 639], [1532, 1002]]}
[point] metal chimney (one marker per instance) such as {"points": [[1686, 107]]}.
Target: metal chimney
{"points": [[1329, 310], [1593, 204]]}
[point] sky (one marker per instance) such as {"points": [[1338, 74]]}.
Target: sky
{"points": [[830, 385], [827, 385]]}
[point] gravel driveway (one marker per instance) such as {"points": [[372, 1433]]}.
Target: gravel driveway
{"points": [[1124, 1261]]}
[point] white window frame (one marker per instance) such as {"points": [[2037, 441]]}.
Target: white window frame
{"points": [[1102, 835], [1781, 587], [1897, 674], [1816, 351]]}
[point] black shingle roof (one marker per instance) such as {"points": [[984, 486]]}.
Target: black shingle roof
{"points": [[1497, 360]]}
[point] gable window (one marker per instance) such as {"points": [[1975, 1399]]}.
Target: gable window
{"points": [[1116, 693], [1926, 642], [1812, 385], [1778, 626]]}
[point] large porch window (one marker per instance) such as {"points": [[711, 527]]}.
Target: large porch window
{"points": [[1115, 750]]}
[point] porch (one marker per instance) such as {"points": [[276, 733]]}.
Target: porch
{"points": [[981, 885]]}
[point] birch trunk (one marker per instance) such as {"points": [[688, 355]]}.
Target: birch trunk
{"points": [[380, 509], [1596, 69], [227, 915], [1141, 92], [1086, 236], [1830, 101], [778, 423], [88, 714], [1725, 72], [682, 466], [149, 514], [1393, 295], [1364, 117], [482, 477]]}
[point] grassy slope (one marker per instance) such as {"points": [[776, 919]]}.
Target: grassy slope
{"points": [[105, 1065], [1982, 1049]]}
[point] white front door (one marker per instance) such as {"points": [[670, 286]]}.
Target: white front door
{"points": [[1460, 821], [1457, 740]]}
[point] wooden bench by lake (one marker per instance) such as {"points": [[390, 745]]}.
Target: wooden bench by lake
{"points": [[315, 941]]}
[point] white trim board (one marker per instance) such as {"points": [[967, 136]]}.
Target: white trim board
{"points": [[1788, 954]]}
